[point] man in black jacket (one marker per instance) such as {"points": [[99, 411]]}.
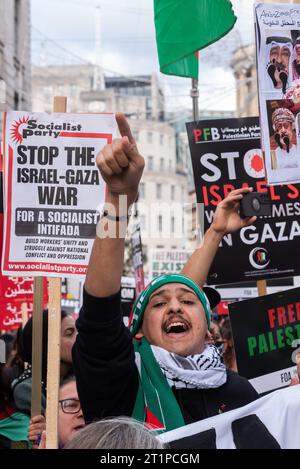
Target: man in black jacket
{"points": [[167, 376]]}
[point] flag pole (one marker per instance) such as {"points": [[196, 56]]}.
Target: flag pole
{"points": [[195, 98], [200, 207]]}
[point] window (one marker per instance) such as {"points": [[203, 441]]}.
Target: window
{"points": [[159, 220], [16, 100], [161, 139], [149, 137], [158, 191], [162, 164], [17, 25], [172, 225], [170, 165], [150, 163], [142, 190], [172, 192]]}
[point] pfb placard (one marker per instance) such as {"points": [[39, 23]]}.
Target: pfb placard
{"points": [[53, 191]]}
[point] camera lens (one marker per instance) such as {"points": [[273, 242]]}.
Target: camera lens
{"points": [[255, 204]]}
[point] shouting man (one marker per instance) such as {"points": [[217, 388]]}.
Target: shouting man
{"points": [[161, 371]]}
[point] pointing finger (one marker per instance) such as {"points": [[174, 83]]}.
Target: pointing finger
{"points": [[124, 127]]}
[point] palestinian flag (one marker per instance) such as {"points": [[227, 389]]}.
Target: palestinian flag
{"points": [[13, 429], [185, 27]]}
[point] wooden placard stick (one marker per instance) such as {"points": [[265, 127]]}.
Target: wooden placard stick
{"points": [[261, 287], [37, 345], [54, 331]]}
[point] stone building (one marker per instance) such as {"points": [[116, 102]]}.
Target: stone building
{"points": [[15, 80]]}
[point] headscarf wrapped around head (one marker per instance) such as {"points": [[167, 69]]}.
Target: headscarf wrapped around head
{"points": [[143, 299], [283, 115]]}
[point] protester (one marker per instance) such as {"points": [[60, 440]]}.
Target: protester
{"points": [[175, 379], [216, 336], [115, 433], [14, 365], [70, 417], [229, 352], [22, 386], [13, 424]]}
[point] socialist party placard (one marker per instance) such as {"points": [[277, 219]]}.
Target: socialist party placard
{"points": [[266, 334], [226, 155], [53, 191]]}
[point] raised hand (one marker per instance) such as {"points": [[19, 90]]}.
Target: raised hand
{"points": [[120, 163], [226, 218]]}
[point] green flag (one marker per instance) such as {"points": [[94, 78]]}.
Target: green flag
{"points": [[185, 26]]}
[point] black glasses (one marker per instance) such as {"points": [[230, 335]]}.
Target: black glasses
{"points": [[70, 406]]}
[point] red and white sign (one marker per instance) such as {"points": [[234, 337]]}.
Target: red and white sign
{"points": [[14, 291], [222, 308], [53, 191]]}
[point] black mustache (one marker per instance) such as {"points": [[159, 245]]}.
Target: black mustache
{"points": [[176, 318]]}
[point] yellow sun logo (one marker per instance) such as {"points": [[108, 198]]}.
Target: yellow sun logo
{"points": [[15, 133]]}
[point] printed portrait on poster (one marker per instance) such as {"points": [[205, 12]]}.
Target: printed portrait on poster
{"points": [[277, 28], [283, 136]]}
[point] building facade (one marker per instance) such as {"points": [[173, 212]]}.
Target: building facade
{"points": [[15, 57]]}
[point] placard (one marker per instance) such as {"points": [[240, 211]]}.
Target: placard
{"points": [[53, 191]]}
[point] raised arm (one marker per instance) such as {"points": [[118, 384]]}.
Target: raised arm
{"points": [[226, 220], [121, 167]]}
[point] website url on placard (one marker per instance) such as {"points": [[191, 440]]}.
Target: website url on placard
{"points": [[48, 268]]}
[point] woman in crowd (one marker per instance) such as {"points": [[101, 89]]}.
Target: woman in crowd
{"points": [[13, 424], [229, 352], [70, 418], [22, 386]]}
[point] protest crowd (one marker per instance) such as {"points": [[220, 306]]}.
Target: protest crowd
{"points": [[176, 374]]}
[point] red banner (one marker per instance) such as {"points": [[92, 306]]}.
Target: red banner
{"points": [[14, 291]]}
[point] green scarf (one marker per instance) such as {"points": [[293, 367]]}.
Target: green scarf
{"points": [[156, 404], [15, 427]]}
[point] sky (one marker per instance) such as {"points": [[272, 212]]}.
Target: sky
{"points": [[128, 44]]}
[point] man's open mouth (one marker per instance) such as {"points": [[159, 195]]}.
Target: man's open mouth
{"points": [[176, 327]]}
